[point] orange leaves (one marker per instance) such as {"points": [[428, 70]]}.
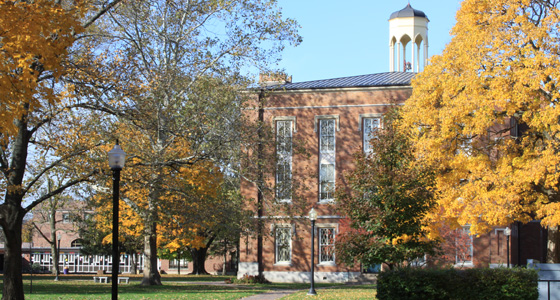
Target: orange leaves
{"points": [[35, 37], [501, 64]]}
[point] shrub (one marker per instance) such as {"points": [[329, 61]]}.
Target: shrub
{"points": [[453, 284], [250, 279]]}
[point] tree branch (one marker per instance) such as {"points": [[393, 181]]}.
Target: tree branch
{"points": [[100, 13], [59, 190]]}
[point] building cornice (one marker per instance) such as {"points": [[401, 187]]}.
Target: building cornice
{"points": [[329, 106], [336, 90]]}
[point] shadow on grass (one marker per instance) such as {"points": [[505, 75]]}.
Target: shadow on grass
{"points": [[46, 288], [174, 287]]}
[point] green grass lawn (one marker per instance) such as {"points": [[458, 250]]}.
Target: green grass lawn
{"points": [[361, 292], [74, 287]]}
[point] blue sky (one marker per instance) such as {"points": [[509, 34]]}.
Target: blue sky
{"points": [[351, 37]]}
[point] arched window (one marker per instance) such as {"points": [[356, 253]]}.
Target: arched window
{"points": [[76, 243]]}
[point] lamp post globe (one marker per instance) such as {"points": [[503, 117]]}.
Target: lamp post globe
{"points": [[116, 161], [312, 214], [116, 157]]}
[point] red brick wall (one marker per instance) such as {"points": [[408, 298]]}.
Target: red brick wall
{"points": [[68, 231], [348, 104]]}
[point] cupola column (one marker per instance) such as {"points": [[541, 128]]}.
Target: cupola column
{"points": [[406, 26]]}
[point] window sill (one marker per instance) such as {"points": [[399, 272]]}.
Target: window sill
{"points": [[328, 201], [284, 201], [466, 264], [284, 264], [327, 264]]}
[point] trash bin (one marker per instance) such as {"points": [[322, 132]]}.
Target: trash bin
{"points": [[65, 270]]}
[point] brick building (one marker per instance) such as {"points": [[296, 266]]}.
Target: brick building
{"points": [[68, 242], [333, 118]]}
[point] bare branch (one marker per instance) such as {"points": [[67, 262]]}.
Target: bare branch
{"points": [[60, 190], [100, 13]]}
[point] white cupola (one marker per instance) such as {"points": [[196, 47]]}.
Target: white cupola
{"points": [[408, 26]]}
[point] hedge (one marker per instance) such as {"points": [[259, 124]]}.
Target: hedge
{"points": [[454, 284]]}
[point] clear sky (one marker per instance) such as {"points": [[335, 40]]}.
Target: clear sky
{"points": [[351, 37]]}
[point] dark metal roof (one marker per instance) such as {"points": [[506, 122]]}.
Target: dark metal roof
{"points": [[369, 80], [408, 11]]}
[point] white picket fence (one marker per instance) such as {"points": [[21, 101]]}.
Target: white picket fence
{"points": [[79, 263]]}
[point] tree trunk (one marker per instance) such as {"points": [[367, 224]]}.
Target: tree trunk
{"points": [[179, 262], [151, 273], [55, 256], [54, 247], [553, 243], [133, 264], [199, 257], [11, 214], [225, 257], [13, 282]]}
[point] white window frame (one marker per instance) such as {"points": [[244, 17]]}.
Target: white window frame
{"points": [[458, 262], [65, 218], [288, 230], [464, 145], [419, 261], [327, 157], [322, 244], [284, 159], [367, 130]]}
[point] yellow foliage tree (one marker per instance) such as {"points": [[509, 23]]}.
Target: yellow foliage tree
{"points": [[31, 52], [35, 110], [162, 204], [486, 114], [175, 88]]}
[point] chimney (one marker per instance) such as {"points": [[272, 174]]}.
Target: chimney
{"points": [[271, 79]]}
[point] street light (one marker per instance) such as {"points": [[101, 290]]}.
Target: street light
{"points": [[57, 267], [116, 162], [312, 217], [507, 233], [31, 263]]}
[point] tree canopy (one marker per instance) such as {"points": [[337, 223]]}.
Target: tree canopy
{"points": [[485, 113], [389, 196], [32, 52], [170, 75]]}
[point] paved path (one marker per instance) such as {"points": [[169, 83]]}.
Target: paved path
{"points": [[271, 295]]}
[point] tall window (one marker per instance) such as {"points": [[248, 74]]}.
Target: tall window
{"points": [[175, 263], [464, 247], [327, 146], [283, 244], [326, 245], [284, 160], [371, 125]]}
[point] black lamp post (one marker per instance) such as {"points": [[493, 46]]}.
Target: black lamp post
{"points": [[312, 217], [116, 162], [507, 233], [57, 267], [31, 269]]}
